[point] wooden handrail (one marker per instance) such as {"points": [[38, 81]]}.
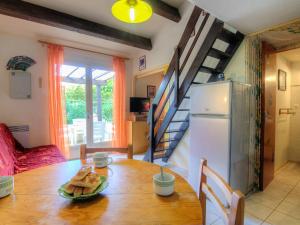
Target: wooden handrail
{"points": [[177, 54], [194, 42], [215, 30], [176, 58], [182, 44], [176, 81]]}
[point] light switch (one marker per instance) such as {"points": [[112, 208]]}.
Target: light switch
{"points": [[40, 82]]}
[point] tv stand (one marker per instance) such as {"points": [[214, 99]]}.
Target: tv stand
{"points": [[138, 133], [140, 117]]}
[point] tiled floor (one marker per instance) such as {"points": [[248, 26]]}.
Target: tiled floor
{"points": [[279, 204]]}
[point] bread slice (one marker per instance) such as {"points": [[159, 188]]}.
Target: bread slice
{"points": [[69, 188], [87, 190], [92, 180], [96, 184], [82, 173], [78, 191]]}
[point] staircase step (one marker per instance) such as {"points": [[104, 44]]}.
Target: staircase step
{"points": [[227, 36], [187, 97], [206, 69], [174, 131], [183, 110], [196, 83], [159, 155], [168, 140], [179, 121], [162, 149], [218, 54]]}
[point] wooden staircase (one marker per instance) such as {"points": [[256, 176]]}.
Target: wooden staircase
{"points": [[205, 49]]}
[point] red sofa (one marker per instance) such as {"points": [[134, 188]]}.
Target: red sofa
{"points": [[14, 158]]}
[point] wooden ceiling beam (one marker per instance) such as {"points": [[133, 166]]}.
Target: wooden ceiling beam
{"points": [[50, 17], [165, 10]]}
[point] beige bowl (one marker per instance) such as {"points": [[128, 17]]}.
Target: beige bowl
{"points": [[164, 186]]}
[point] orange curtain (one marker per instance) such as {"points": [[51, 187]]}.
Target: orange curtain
{"points": [[57, 115], [120, 139]]}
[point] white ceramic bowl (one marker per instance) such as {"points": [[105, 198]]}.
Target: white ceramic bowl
{"points": [[165, 186], [6, 185]]}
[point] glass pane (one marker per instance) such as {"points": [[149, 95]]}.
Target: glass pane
{"points": [[75, 100], [106, 76], [98, 73], [102, 107], [78, 73], [66, 70]]}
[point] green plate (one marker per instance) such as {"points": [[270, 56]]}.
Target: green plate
{"points": [[102, 186]]}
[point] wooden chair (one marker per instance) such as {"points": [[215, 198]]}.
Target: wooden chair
{"points": [[233, 214], [84, 151]]}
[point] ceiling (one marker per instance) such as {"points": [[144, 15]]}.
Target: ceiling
{"points": [[95, 10], [24, 28], [250, 16], [292, 55], [283, 37], [100, 11]]}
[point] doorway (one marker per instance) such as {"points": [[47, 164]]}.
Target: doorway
{"points": [[88, 93], [280, 104]]}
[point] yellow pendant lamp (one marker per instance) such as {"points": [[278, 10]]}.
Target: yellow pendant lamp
{"points": [[132, 11]]}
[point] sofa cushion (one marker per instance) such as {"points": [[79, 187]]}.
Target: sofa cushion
{"points": [[37, 157], [9, 139], [7, 157], [14, 158]]}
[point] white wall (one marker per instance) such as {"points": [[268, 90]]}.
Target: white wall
{"points": [[294, 144], [142, 83], [164, 42], [34, 111], [282, 127], [236, 69]]}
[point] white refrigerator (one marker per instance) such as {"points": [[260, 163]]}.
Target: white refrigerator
{"points": [[219, 132]]}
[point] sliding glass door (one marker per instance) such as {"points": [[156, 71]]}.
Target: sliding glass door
{"points": [[88, 97], [74, 87], [100, 86], [102, 90]]}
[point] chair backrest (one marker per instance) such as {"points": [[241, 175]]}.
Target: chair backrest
{"points": [[233, 212], [84, 151]]}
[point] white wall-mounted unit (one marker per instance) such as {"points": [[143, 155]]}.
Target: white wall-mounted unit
{"points": [[20, 84]]}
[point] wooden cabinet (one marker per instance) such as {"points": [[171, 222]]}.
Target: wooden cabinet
{"points": [[138, 132]]}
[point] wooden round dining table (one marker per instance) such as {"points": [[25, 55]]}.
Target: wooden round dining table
{"points": [[129, 198]]}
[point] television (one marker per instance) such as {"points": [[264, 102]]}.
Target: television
{"points": [[139, 105]]}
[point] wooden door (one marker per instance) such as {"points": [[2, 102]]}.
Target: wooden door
{"points": [[269, 114]]}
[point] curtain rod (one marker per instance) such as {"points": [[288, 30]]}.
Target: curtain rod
{"points": [[81, 49]]}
